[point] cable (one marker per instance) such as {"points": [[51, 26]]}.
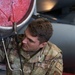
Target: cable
{"points": [[18, 49]]}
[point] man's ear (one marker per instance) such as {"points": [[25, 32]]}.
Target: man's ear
{"points": [[43, 44]]}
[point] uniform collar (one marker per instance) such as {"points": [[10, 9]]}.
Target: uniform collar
{"points": [[38, 57], [48, 52]]}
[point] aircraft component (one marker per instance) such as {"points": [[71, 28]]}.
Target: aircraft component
{"points": [[48, 5], [64, 38], [18, 11]]}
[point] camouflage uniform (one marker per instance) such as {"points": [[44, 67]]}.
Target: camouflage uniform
{"points": [[47, 61]]}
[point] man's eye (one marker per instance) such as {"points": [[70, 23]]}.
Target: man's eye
{"points": [[31, 40]]}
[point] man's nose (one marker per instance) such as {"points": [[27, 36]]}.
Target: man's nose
{"points": [[24, 40]]}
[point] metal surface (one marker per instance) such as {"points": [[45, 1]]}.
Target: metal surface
{"points": [[64, 38], [48, 5]]}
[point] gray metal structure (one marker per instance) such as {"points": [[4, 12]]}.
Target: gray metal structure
{"points": [[64, 38], [48, 5]]}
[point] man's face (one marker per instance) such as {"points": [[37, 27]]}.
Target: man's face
{"points": [[30, 43]]}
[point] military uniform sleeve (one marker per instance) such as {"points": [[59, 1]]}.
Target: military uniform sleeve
{"points": [[49, 67], [56, 66]]}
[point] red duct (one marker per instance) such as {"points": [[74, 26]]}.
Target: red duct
{"points": [[12, 11], [19, 11]]}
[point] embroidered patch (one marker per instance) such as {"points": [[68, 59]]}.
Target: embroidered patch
{"points": [[59, 66]]}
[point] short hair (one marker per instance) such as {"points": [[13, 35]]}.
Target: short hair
{"points": [[41, 28]]}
